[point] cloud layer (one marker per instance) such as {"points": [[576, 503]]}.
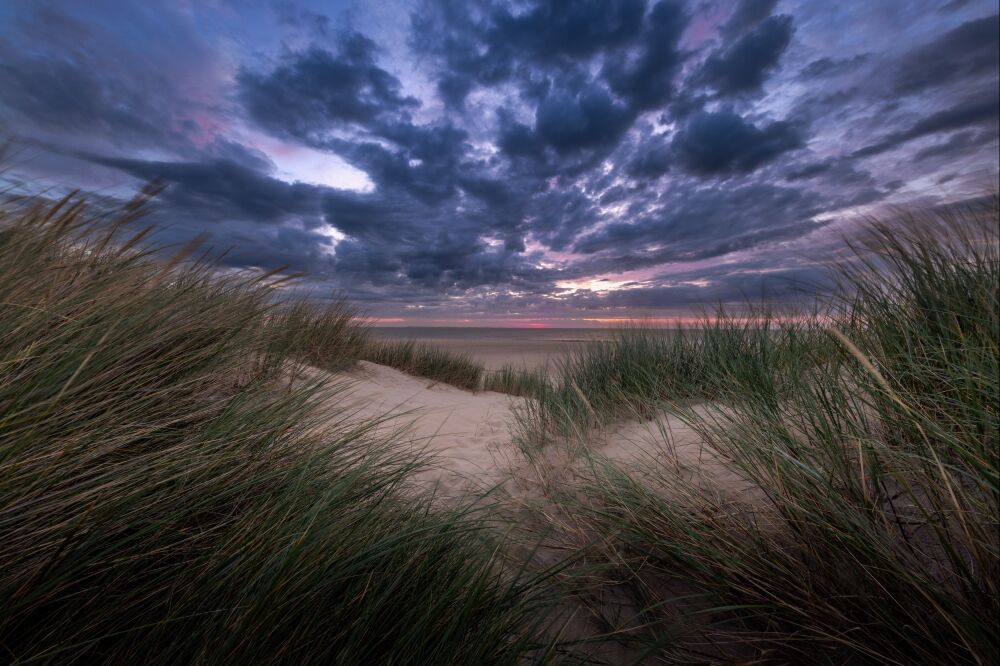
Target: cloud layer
{"points": [[523, 161]]}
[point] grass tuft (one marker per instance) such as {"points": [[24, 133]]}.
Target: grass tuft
{"points": [[427, 361], [518, 381]]}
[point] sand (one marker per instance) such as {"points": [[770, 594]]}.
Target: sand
{"points": [[467, 433], [469, 436]]}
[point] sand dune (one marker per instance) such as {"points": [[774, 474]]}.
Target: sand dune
{"points": [[467, 433], [469, 436]]}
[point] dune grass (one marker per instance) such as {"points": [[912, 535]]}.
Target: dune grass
{"points": [[640, 369], [167, 497], [516, 380], [872, 440], [332, 336], [427, 361]]}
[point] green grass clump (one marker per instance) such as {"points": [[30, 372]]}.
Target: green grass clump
{"points": [[873, 535], [516, 380], [427, 361], [641, 369], [332, 337], [163, 500]]}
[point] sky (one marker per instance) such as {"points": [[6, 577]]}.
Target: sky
{"points": [[488, 162]]}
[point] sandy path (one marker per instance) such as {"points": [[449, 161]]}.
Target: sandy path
{"points": [[467, 433]]}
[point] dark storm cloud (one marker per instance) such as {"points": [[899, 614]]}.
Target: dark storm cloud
{"points": [[515, 138], [405, 236], [931, 75], [809, 171], [709, 288], [313, 91], [396, 241], [647, 80], [957, 144], [723, 142], [455, 32], [266, 248], [492, 192], [699, 223], [826, 67], [584, 72], [487, 43], [430, 181], [557, 216], [61, 94], [980, 109], [437, 260], [249, 218], [223, 189], [489, 48], [550, 31], [589, 118], [971, 50], [748, 13], [744, 66], [845, 181], [453, 89], [650, 161], [346, 103]]}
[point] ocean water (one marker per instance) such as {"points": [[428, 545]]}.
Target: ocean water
{"points": [[495, 347]]}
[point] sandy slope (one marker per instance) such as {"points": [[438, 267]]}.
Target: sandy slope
{"points": [[466, 432], [668, 442], [469, 436]]}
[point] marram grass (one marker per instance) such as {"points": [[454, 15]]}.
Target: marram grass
{"points": [[869, 438], [426, 361], [164, 498]]}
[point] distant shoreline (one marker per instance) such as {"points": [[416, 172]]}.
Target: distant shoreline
{"points": [[496, 347]]}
